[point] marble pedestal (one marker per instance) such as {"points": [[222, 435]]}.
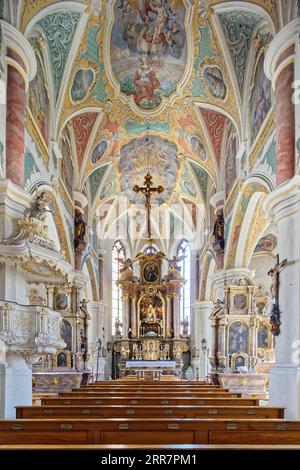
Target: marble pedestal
{"points": [[253, 384], [56, 381]]}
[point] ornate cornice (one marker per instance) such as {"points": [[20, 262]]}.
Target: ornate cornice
{"points": [[284, 39], [16, 41]]}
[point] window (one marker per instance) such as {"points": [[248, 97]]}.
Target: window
{"points": [[185, 265], [150, 250], [118, 253]]}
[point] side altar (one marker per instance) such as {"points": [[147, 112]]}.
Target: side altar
{"points": [[242, 342]]}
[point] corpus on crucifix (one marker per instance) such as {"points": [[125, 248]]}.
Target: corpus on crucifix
{"points": [[148, 190], [275, 314]]}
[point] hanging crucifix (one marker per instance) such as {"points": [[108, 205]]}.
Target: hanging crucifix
{"points": [[275, 314], [148, 190]]}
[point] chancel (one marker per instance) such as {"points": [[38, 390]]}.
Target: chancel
{"points": [[149, 222]]}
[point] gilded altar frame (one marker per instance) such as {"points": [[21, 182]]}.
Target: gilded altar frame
{"points": [[148, 293], [68, 358]]}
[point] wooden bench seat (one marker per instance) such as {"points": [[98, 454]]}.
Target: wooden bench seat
{"points": [[151, 387], [152, 392], [70, 399], [154, 431], [149, 394], [148, 412]]}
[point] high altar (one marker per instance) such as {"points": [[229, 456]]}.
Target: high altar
{"points": [[151, 334]]}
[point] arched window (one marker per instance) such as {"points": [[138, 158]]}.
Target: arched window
{"points": [[150, 250], [185, 265], [118, 253]]}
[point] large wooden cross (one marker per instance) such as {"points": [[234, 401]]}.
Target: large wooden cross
{"points": [[148, 190]]}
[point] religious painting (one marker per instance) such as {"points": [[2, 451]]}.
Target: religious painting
{"points": [[151, 272], [239, 301], [260, 99], [99, 151], [151, 308], [198, 147], [67, 170], [63, 359], [238, 338], [230, 156], [38, 95], [213, 79], [153, 154], [239, 361], [151, 315], [263, 336], [267, 243], [190, 187], [148, 49], [66, 333], [83, 81], [61, 302]]}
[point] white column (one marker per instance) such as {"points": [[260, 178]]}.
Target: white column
{"points": [[284, 205], [201, 329], [95, 330], [15, 384]]}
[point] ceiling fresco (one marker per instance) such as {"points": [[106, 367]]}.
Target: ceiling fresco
{"points": [[149, 49], [147, 85]]}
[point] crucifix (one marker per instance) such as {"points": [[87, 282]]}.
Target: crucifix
{"points": [[148, 190], [275, 314]]}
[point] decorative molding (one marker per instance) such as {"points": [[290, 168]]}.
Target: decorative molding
{"points": [[284, 39]]}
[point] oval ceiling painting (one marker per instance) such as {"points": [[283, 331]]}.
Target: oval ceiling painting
{"points": [[151, 154], [148, 49]]}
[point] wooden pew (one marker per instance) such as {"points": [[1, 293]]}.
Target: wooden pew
{"points": [[149, 395], [154, 401], [155, 386], [154, 431], [148, 412], [149, 390]]}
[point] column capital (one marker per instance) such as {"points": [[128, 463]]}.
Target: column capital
{"points": [[80, 200], [16, 41], [202, 305], [280, 52], [284, 201], [218, 200], [228, 276], [101, 252]]}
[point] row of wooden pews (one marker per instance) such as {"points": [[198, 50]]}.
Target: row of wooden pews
{"points": [[150, 413]]}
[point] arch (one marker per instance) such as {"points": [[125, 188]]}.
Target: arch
{"points": [[88, 267], [246, 221], [184, 262], [208, 268]]}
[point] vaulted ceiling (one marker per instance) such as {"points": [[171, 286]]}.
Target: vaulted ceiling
{"points": [[129, 86]]}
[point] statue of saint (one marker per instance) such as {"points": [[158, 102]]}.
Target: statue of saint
{"points": [[218, 231], [79, 227], [39, 209]]}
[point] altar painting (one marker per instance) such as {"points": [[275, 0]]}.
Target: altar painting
{"points": [[148, 49], [151, 316], [238, 338]]}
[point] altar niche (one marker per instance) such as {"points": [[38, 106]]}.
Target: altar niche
{"points": [[151, 316]]}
